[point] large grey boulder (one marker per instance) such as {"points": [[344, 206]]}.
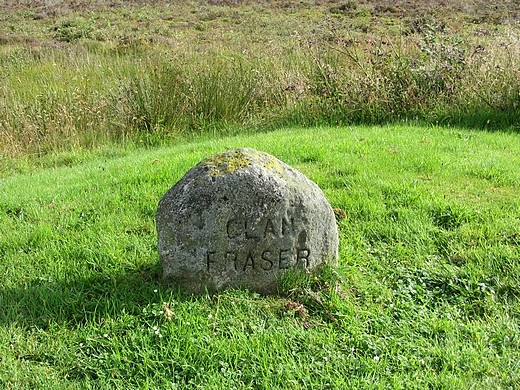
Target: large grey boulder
{"points": [[242, 219]]}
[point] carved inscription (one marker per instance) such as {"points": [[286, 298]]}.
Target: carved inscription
{"points": [[259, 261], [242, 228], [268, 255]]}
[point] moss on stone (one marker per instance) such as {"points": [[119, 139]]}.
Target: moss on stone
{"points": [[235, 160]]}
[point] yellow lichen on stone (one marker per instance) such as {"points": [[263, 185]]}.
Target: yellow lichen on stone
{"points": [[235, 160]]}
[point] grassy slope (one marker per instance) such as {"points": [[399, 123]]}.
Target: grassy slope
{"points": [[427, 294]]}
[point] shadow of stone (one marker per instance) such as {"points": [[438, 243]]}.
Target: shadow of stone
{"points": [[78, 302]]}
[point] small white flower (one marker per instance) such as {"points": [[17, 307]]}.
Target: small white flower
{"points": [[160, 336], [105, 335], [210, 316], [155, 290], [422, 362], [376, 358], [154, 328]]}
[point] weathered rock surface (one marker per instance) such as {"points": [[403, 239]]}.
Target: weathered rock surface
{"points": [[242, 219]]}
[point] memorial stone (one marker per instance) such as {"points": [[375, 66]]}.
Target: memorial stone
{"points": [[243, 218]]}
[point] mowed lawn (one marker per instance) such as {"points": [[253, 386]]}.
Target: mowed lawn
{"points": [[426, 294]]}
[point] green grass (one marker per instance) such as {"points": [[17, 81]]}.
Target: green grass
{"points": [[426, 294]]}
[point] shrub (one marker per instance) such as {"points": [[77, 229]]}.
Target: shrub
{"points": [[70, 30]]}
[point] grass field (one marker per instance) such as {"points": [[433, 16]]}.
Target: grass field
{"points": [[79, 75], [426, 294]]}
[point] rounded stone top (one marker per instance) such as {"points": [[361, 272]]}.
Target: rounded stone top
{"points": [[239, 159], [243, 218]]}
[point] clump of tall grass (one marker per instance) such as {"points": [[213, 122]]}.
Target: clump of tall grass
{"points": [[193, 95], [87, 94], [428, 75], [425, 74], [55, 98]]}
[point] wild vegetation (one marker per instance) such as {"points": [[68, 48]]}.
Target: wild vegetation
{"points": [[86, 74], [426, 295]]}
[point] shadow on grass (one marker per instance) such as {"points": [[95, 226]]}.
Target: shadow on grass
{"points": [[92, 300], [482, 119], [78, 302], [478, 119]]}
